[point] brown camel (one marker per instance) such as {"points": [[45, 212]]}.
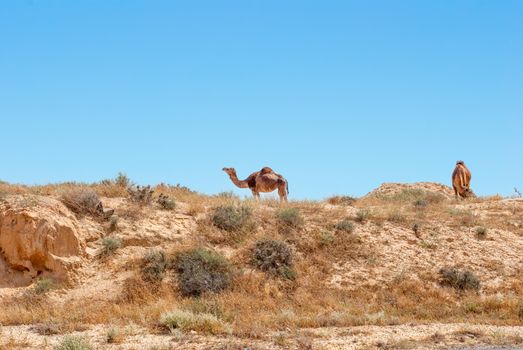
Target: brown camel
{"points": [[264, 180], [461, 180]]}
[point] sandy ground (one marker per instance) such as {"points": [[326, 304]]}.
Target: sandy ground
{"points": [[427, 336]]}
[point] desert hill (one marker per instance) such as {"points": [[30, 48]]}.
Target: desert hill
{"points": [[406, 266]]}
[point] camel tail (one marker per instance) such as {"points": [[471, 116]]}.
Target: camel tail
{"points": [[287, 186]]}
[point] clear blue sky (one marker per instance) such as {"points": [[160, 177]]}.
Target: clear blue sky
{"points": [[338, 96]]}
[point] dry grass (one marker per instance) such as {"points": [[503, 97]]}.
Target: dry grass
{"points": [[322, 237]]}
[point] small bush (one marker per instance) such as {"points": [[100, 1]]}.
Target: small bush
{"points": [[189, 321], [481, 232], [416, 228], [44, 285], [46, 328], [341, 200], [420, 203], [459, 279], [231, 218], [154, 265], [113, 223], [141, 194], [274, 257], [326, 238], [201, 270], [81, 200], [113, 336], [290, 218], [166, 202], [110, 244], [73, 343], [122, 180], [362, 215], [344, 225]]}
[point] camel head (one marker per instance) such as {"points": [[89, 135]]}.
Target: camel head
{"points": [[460, 162], [230, 171]]}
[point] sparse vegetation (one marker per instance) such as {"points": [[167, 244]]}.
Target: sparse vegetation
{"points": [[188, 321], [81, 200], [202, 270], [459, 279], [113, 335], [481, 232], [142, 195], [274, 257], [290, 219], [154, 266], [113, 223], [44, 285], [341, 200], [345, 226], [362, 215], [166, 202], [110, 244], [73, 343], [231, 218]]}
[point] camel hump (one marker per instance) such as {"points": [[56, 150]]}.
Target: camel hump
{"points": [[266, 170]]}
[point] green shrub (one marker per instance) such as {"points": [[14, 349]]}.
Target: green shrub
{"points": [[154, 265], [189, 321], [290, 218], [166, 202], [44, 285], [201, 270], [73, 343], [344, 225], [231, 218], [110, 244], [459, 279], [274, 257]]}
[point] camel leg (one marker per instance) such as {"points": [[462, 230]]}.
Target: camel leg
{"points": [[256, 194], [455, 192], [282, 192]]}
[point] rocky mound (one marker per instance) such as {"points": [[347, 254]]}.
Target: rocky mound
{"points": [[391, 188], [38, 236]]}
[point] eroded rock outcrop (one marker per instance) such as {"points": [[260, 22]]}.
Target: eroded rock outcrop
{"points": [[39, 235]]}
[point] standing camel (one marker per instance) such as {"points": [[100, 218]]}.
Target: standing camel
{"points": [[461, 180], [264, 180]]}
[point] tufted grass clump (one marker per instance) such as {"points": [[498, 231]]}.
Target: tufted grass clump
{"points": [[274, 257], [362, 215], [154, 266], [481, 232], [459, 279], [44, 285], [290, 218], [344, 225], [110, 244], [185, 321], [81, 200], [232, 218], [202, 270], [73, 343], [113, 336]]}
